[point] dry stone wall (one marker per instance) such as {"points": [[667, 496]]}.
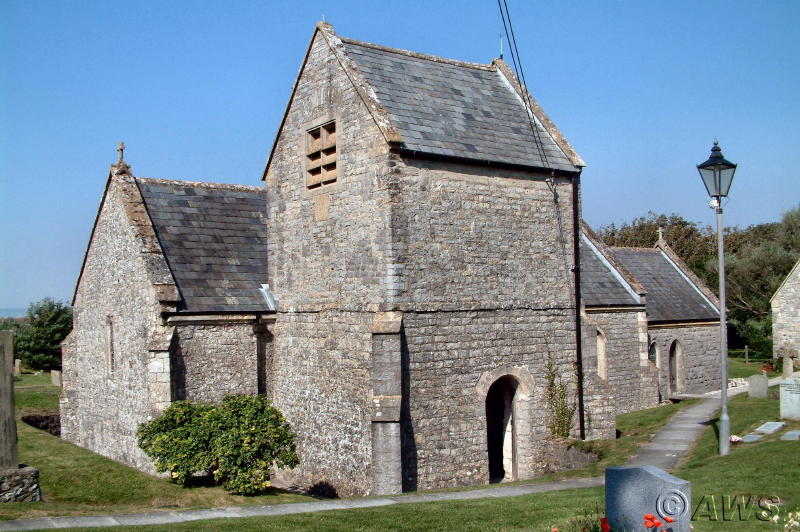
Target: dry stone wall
{"points": [[105, 374]]}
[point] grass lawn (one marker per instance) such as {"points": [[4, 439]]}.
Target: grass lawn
{"points": [[81, 482], [76, 481], [768, 467], [737, 368]]}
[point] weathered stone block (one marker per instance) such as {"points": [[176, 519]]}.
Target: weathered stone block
{"points": [[20, 485], [790, 399]]}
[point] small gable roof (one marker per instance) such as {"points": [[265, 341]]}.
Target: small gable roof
{"points": [[671, 294], [214, 239], [427, 105], [602, 284], [793, 273], [457, 109]]}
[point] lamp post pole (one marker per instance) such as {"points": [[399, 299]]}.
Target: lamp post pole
{"points": [[717, 174], [724, 420]]}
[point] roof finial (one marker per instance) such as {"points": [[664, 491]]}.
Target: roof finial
{"points": [[120, 167], [661, 236]]}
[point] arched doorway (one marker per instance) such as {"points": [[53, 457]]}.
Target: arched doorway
{"points": [[675, 363], [500, 429]]}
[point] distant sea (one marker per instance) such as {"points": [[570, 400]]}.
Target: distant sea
{"points": [[13, 312]]}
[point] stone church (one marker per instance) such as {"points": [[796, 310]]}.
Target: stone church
{"points": [[402, 288]]}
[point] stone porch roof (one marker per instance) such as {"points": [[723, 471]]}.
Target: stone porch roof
{"points": [[214, 239]]}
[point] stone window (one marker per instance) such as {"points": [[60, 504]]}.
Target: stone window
{"points": [[110, 343], [652, 353], [602, 361], [321, 155]]}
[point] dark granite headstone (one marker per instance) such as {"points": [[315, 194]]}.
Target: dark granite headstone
{"points": [[634, 492]]}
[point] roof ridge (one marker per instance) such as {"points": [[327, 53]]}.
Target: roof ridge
{"points": [[201, 184], [428, 57]]}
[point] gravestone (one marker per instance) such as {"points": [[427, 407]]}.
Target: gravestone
{"points": [[771, 427], [633, 492], [758, 385], [788, 367], [791, 435], [17, 483], [55, 377], [8, 421], [790, 399], [17, 366], [750, 438]]}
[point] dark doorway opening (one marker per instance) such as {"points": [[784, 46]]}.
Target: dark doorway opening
{"points": [[674, 366], [500, 430]]}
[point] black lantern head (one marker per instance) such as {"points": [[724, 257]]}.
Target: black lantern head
{"points": [[717, 173]]}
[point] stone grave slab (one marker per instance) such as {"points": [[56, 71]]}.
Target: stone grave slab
{"points": [[758, 385], [55, 377], [790, 399], [771, 427], [633, 492], [750, 438], [17, 366], [788, 368], [791, 435]]}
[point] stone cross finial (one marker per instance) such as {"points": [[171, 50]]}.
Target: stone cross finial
{"points": [[121, 150], [660, 234]]}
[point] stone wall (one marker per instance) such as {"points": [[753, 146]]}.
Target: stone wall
{"points": [[328, 246], [470, 237], [105, 395], [626, 346], [211, 361], [322, 384], [451, 358], [786, 317], [698, 361]]}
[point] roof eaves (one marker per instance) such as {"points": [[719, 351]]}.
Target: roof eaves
{"points": [[522, 92], [606, 253]]}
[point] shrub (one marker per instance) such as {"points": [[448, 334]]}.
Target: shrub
{"points": [[179, 441], [238, 442]]}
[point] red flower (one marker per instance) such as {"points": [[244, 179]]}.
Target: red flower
{"points": [[651, 521], [669, 520], [604, 526]]}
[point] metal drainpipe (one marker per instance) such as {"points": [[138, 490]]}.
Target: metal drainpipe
{"points": [[576, 228]]}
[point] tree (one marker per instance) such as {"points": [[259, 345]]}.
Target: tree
{"points": [[38, 341]]}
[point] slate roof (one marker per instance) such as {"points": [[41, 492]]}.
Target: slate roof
{"points": [[214, 239], [599, 286], [447, 108], [670, 295]]}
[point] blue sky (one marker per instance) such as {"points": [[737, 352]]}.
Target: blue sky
{"points": [[197, 89]]}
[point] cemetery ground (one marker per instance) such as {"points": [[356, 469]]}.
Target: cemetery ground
{"points": [[78, 482]]}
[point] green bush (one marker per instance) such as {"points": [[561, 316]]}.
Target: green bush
{"points": [[238, 442]]}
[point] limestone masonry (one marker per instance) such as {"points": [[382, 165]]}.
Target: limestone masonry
{"points": [[401, 288]]}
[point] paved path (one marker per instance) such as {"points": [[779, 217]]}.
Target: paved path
{"points": [[664, 451]]}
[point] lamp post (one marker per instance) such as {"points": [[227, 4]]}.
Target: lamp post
{"points": [[717, 175]]}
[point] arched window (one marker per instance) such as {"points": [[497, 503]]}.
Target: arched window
{"points": [[602, 361], [652, 353], [675, 366]]}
